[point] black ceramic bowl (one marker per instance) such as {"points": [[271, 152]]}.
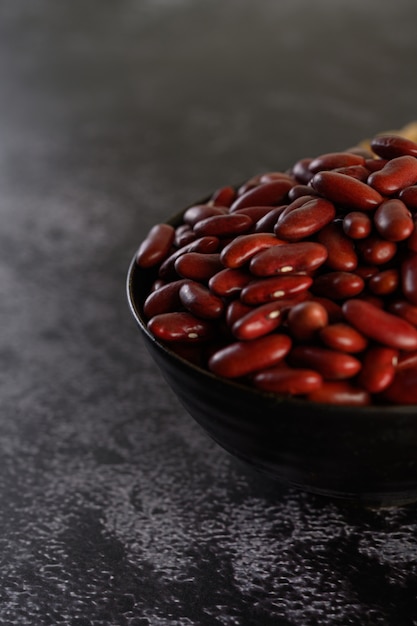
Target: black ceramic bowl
{"points": [[366, 455]]}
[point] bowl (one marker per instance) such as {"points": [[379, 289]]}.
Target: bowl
{"points": [[365, 454]]}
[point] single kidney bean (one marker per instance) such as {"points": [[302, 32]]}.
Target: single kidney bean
{"points": [[393, 220], [223, 225], [199, 300], [257, 322], [270, 177], [374, 165], [403, 389], [341, 254], [235, 310], [299, 191], [409, 278], [343, 337], [241, 249], [288, 380], [375, 251], [198, 266], [305, 319], [267, 194], [224, 196], [205, 245], [395, 175], [275, 287], [379, 325], [184, 235], [180, 326], [229, 282], [333, 160], [346, 191], [384, 283], [164, 299], [338, 285], [340, 392], [246, 357], [198, 212], [356, 171], [301, 256], [331, 364], [404, 309], [301, 172], [389, 146], [409, 196], [305, 220], [357, 225], [266, 224], [378, 368], [156, 246]]}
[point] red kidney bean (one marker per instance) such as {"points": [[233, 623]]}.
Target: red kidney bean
{"points": [[384, 283], [255, 212], [412, 240], [301, 172], [404, 309], [184, 235], [198, 212], [367, 271], [267, 194], [343, 337], [246, 357], [388, 146], [275, 287], [333, 160], [341, 254], [305, 220], [299, 191], [165, 299], [393, 220], [198, 266], [223, 225], [379, 325], [304, 256], [288, 380], [199, 301], [205, 245], [403, 389], [338, 285], [395, 175], [409, 196], [305, 319], [331, 364], [346, 191], [180, 326], [266, 224], [235, 310], [375, 251], [156, 246], [243, 248], [406, 359], [374, 165], [224, 196], [357, 225], [409, 278], [229, 282], [378, 368], [340, 392], [270, 177], [257, 322], [356, 171], [334, 310]]}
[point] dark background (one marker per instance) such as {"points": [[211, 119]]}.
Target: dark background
{"points": [[116, 509]]}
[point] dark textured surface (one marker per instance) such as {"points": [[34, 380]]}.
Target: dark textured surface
{"points": [[115, 508]]}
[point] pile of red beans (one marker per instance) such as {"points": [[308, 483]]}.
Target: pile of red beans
{"points": [[300, 283]]}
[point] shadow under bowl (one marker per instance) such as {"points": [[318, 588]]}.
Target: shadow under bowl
{"points": [[365, 455]]}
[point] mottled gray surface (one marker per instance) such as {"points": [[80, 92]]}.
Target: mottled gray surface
{"points": [[116, 509]]}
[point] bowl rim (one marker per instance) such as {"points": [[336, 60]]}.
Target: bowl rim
{"points": [[384, 410]]}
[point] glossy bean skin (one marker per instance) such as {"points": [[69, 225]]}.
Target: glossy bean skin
{"points": [[268, 194], [224, 196], [384, 283], [198, 266], [376, 251], [409, 196], [257, 322], [255, 212], [199, 300], [395, 175], [235, 310], [409, 278], [403, 389], [301, 171], [356, 171], [205, 245], [243, 248], [288, 380], [389, 146], [200, 212], [341, 393], [341, 253], [379, 325], [156, 246], [223, 225], [300, 191], [246, 357], [331, 364], [229, 281], [180, 326], [346, 191], [306, 319], [338, 285], [275, 287], [393, 220], [334, 160], [305, 220], [404, 309], [357, 225], [305, 256], [184, 235], [266, 223], [378, 369], [343, 337], [164, 299]]}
